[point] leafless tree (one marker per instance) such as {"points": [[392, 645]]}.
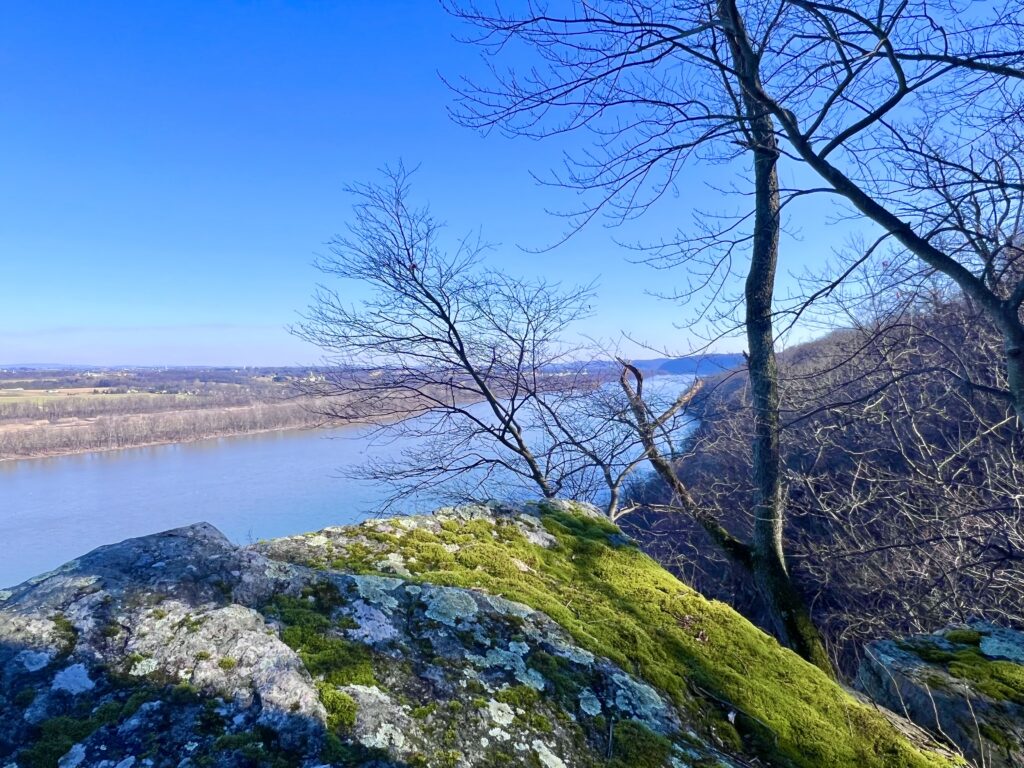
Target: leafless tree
{"points": [[903, 467], [465, 370], [660, 84], [881, 100], [911, 112]]}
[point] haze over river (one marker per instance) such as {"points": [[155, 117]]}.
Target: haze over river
{"points": [[250, 487]]}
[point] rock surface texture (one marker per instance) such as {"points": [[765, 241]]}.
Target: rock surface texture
{"points": [[478, 636], [965, 683]]}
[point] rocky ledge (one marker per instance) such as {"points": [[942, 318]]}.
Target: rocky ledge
{"points": [[478, 636], [965, 683]]}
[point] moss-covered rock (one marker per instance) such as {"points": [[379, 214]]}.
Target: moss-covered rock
{"points": [[965, 683], [479, 636]]}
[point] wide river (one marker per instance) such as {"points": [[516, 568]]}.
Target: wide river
{"points": [[250, 487]]}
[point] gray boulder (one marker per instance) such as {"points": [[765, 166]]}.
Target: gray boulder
{"points": [[964, 684], [485, 635]]}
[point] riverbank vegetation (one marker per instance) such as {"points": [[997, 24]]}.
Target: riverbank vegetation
{"points": [[48, 412]]}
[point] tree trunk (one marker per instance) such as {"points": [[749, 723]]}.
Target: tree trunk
{"points": [[737, 551], [785, 605], [1013, 344]]}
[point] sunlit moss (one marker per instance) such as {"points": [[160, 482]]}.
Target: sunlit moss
{"points": [[964, 636], [341, 708], [1000, 680], [618, 603], [997, 679]]}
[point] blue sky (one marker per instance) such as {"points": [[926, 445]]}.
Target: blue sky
{"points": [[170, 170]]}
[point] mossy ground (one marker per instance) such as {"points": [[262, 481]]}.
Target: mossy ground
{"points": [[618, 603], [53, 737], [997, 679], [309, 630]]}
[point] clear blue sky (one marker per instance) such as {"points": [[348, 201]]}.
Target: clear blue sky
{"points": [[170, 169]]}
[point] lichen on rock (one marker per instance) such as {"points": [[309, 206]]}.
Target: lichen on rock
{"points": [[482, 635], [965, 683]]}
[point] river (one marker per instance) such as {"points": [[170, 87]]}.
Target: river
{"points": [[250, 487]]}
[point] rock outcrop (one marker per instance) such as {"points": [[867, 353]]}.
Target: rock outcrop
{"points": [[478, 636], [964, 683]]}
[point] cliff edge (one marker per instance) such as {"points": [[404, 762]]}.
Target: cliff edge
{"points": [[490, 635]]}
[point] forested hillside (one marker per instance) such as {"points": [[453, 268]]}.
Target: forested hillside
{"points": [[903, 464]]}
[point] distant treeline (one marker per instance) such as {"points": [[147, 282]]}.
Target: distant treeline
{"points": [[51, 412], [116, 403], [144, 379], [125, 430]]}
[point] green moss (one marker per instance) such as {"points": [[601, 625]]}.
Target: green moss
{"points": [[191, 623], [964, 636], [227, 663], [928, 652], [258, 747], [341, 708], [487, 556], [1000, 680], [447, 758], [535, 721], [203, 656], [130, 661], [728, 735], [634, 746], [518, 696], [997, 679], [323, 596], [183, 693], [566, 679], [56, 736], [333, 659], [422, 713], [308, 630], [357, 558], [296, 612], [25, 696], [232, 741], [67, 635], [211, 722], [618, 603], [997, 737]]}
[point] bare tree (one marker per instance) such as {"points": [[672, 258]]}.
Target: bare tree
{"points": [[911, 112], [903, 466], [660, 84], [463, 369]]}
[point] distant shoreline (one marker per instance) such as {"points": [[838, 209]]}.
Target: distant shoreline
{"points": [[319, 425], [181, 441]]}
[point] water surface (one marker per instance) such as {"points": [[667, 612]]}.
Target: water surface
{"points": [[250, 487]]}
